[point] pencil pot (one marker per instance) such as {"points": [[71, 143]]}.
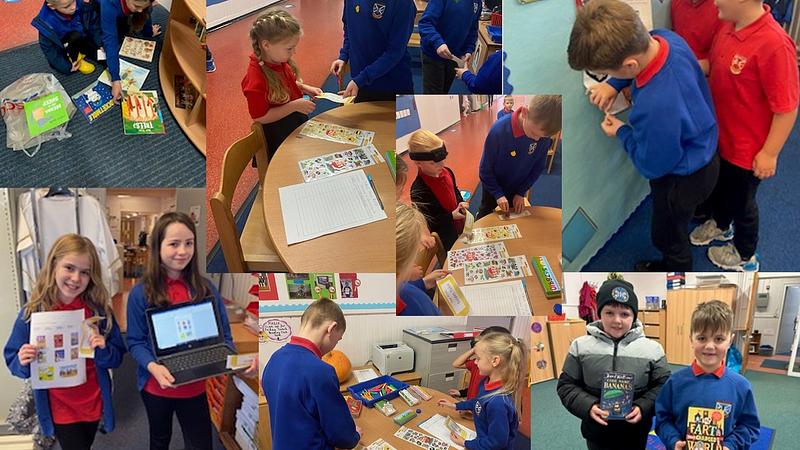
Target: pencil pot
{"points": [[372, 391]]}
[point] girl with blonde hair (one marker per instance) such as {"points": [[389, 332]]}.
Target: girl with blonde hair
{"points": [[411, 297]]}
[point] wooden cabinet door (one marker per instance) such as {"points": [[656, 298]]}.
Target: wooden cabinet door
{"points": [[541, 357], [562, 334]]}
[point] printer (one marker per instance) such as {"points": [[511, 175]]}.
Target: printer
{"points": [[393, 357]]}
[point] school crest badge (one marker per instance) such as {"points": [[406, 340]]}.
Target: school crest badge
{"points": [[725, 407], [532, 148], [620, 294], [737, 64], [377, 10], [478, 408]]}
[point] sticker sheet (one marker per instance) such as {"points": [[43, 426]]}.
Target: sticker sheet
{"points": [[337, 133], [335, 163], [498, 233], [457, 258], [421, 439], [380, 444], [140, 49], [496, 270]]}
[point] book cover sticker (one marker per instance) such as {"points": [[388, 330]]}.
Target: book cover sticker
{"points": [[617, 394], [705, 429]]}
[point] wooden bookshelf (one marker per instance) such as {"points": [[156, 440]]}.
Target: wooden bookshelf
{"points": [[182, 54]]}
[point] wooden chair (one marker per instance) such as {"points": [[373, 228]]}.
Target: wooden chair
{"points": [[253, 251], [551, 152]]}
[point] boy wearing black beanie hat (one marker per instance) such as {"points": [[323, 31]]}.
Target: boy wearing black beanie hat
{"points": [[615, 343]]}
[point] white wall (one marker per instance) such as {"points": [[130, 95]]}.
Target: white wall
{"points": [[644, 284], [436, 113], [767, 320], [184, 200], [233, 9]]}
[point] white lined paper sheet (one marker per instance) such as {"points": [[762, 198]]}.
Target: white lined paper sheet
{"points": [[338, 203], [506, 298]]}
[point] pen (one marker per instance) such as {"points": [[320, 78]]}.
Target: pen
{"points": [[375, 190]]}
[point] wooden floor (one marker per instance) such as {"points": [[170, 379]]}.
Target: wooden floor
{"points": [[754, 363]]}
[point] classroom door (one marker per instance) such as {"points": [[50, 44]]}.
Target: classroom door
{"points": [[791, 307]]}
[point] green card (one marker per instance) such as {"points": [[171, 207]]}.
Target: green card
{"points": [[45, 113]]}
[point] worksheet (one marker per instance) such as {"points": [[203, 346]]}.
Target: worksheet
{"points": [[311, 210], [57, 336], [506, 298], [437, 425]]}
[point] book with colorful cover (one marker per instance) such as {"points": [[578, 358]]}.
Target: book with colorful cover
{"points": [[131, 76], [705, 429], [140, 49], [185, 93], [94, 100], [616, 396], [45, 113], [141, 114]]}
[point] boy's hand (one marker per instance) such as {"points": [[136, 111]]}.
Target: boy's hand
{"points": [[156, 30], [161, 374], [680, 445], [75, 66], [634, 416], [519, 203], [116, 91], [610, 125], [444, 52], [456, 439], [454, 393], [252, 370], [336, 68], [602, 95], [457, 214], [359, 430], [598, 414], [460, 72], [302, 105], [351, 90], [27, 353], [764, 165], [446, 404], [466, 58], [502, 202], [431, 278]]}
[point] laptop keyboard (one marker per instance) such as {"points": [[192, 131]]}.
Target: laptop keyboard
{"points": [[196, 359]]}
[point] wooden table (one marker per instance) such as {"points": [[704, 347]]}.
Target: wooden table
{"points": [[375, 425], [368, 248], [541, 236], [485, 46], [405, 377]]}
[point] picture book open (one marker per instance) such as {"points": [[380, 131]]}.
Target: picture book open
{"points": [[616, 395], [705, 429], [58, 336], [131, 76]]}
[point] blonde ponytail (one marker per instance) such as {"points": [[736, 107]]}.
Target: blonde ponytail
{"points": [[514, 355]]}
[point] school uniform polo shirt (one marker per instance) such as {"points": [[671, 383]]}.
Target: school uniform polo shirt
{"points": [[753, 76], [256, 88], [697, 22]]}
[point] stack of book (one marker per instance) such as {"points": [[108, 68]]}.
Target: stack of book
{"points": [[676, 280], [246, 417]]}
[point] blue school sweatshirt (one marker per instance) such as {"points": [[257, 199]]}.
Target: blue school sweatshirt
{"points": [[451, 22], [511, 161], [376, 44], [417, 302], [52, 28], [724, 389], [503, 112], [104, 359], [495, 418], [306, 409], [110, 12], [672, 127], [489, 77], [138, 336]]}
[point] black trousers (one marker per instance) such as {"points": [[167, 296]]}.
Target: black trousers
{"points": [[675, 198], [488, 203], [76, 436], [373, 96], [277, 132], [735, 202], [437, 75], [75, 43], [193, 417]]}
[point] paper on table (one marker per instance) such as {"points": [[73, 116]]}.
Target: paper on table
{"points": [[363, 375], [454, 297], [56, 334], [437, 427], [240, 361], [329, 205], [335, 163], [506, 298], [336, 98], [513, 215]]}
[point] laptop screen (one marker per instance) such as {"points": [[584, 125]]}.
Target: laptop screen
{"points": [[180, 327]]}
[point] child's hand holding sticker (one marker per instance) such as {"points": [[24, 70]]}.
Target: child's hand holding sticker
{"points": [[610, 125]]}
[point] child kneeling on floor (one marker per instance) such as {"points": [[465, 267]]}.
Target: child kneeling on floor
{"points": [[69, 32]]}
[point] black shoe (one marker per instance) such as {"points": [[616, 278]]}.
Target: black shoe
{"points": [[649, 266]]}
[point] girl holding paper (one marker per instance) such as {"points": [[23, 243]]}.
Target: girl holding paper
{"points": [[172, 276], [71, 280]]}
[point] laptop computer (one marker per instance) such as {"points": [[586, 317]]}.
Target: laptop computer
{"points": [[188, 340]]}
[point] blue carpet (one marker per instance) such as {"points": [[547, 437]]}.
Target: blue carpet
{"points": [[779, 213], [98, 154], [213, 2], [546, 190]]}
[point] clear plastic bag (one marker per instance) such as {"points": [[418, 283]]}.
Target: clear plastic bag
{"points": [[12, 99]]}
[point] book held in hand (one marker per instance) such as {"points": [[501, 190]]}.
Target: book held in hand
{"points": [[705, 429], [616, 396]]}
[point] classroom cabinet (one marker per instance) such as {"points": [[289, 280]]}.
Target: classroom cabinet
{"points": [[681, 303], [655, 325], [562, 333], [433, 359]]}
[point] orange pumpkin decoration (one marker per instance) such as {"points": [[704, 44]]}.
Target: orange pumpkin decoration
{"points": [[340, 362]]}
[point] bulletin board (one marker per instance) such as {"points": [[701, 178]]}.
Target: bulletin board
{"points": [[287, 294], [604, 187]]}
